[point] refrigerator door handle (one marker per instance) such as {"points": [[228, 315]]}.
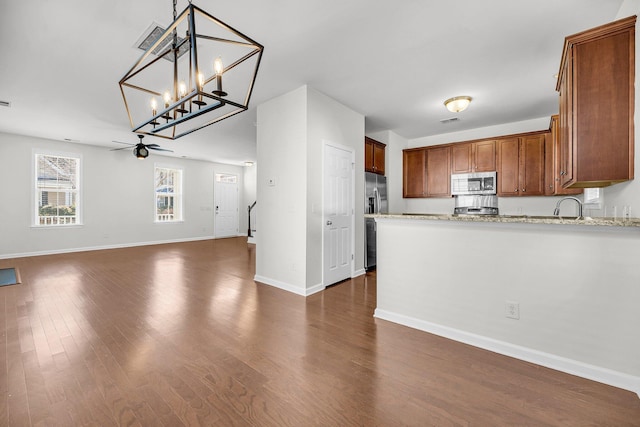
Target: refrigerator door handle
{"points": [[378, 200], [376, 206]]}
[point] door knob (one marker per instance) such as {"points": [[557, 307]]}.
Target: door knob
{"points": [[329, 222]]}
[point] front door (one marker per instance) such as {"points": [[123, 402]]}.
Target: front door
{"points": [[226, 205], [337, 236]]}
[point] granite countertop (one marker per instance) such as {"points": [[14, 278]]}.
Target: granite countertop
{"points": [[526, 219]]}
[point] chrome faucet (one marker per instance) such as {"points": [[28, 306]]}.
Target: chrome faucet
{"points": [[556, 211]]}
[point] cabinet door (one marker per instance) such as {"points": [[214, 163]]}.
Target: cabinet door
{"points": [[374, 156], [368, 155], [439, 172], [566, 139], [484, 156], [508, 169], [553, 165], [461, 158], [531, 168], [414, 173], [603, 110], [378, 158], [549, 159]]}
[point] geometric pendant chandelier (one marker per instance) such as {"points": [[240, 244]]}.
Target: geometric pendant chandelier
{"points": [[198, 72]]}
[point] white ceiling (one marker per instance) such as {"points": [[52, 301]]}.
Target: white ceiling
{"points": [[395, 62]]}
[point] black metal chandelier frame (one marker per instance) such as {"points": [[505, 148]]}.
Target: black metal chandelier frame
{"points": [[191, 103]]}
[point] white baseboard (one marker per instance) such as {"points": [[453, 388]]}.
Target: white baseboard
{"points": [[102, 247], [359, 272], [573, 367], [305, 292], [251, 240]]}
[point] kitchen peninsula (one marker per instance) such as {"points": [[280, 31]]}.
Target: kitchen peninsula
{"points": [[560, 293]]}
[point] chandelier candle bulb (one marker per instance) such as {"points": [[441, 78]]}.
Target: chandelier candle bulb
{"points": [[154, 106], [199, 102], [217, 66], [182, 89], [219, 69], [167, 99]]}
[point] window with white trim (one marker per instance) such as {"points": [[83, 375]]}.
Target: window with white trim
{"points": [[57, 190], [168, 194]]}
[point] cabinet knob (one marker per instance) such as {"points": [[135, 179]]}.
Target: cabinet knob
{"points": [[524, 189], [516, 190]]}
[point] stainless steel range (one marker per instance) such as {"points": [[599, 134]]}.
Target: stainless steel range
{"points": [[475, 193]]}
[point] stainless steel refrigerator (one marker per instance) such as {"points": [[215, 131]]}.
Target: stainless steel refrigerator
{"points": [[375, 201]]}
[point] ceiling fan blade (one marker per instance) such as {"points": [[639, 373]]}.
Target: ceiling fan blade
{"points": [[151, 145], [118, 149], [159, 149], [125, 143]]}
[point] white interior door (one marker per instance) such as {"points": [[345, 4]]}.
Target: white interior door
{"points": [[226, 205], [337, 236]]}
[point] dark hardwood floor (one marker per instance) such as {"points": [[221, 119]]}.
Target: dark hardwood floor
{"points": [[180, 334]]}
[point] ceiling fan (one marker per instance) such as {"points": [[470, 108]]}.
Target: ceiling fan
{"points": [[140, 150]]}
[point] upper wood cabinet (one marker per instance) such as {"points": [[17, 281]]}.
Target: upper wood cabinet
{"points": [[596, 86], [473, 157], [374, 156], [439, 171], [414, 172], [552, 180], [521, 170]]}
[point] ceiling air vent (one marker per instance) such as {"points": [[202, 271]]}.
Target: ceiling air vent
{"points": [[153, 33], [5, 104], [450, 120]]}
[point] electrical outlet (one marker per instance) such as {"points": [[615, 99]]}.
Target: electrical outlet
{"points": [[512, 309]]}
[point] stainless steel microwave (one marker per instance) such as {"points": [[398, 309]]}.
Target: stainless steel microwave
{"points": [[473, 183]]}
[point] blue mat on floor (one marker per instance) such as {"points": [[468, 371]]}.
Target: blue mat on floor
{"points": [[9, 276]]}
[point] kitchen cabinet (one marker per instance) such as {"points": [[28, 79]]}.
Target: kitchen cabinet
{"points": [[552, 165], [374, 156], [477, 156], [520, 165], [596, 87], [414, 172], [439, 171]]}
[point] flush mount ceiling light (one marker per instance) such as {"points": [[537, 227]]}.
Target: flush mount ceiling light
{"points": [[457, 103], [176, 87]]}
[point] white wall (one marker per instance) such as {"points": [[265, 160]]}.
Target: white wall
{"points": [[117, 199], [577, 288], [331, 121], [291, 131], [628, 193], [282, 152]]}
